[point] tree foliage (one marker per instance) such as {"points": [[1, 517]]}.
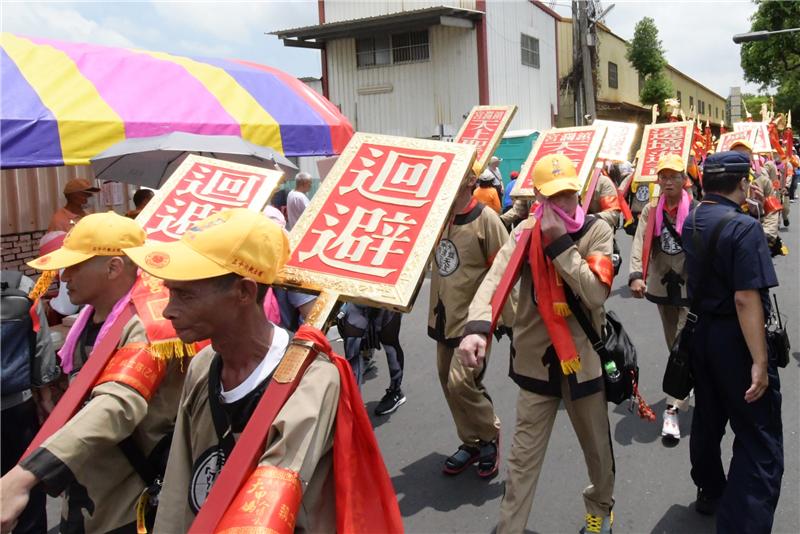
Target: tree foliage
{"points": [[775, 62], [645, 51], [647, 56], [655, 90]]}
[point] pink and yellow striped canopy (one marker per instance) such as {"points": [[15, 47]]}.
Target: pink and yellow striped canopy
{"points": [[63, 103]]}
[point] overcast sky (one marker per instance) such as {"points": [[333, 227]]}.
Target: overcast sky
{"points": [[695, 33]]}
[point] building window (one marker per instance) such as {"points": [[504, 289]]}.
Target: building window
{"points": [[410, 46], [716, 113], [691, 102], [679, 98], [613, 80], [404, 47], [530, 50], [641, 83]]}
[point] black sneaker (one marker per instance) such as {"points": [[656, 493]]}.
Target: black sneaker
{"points": [[705, 504], [464, 457], [393, 399], [489, 460]]}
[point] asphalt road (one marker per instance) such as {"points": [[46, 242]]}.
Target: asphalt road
{"points": [[654, 492]]}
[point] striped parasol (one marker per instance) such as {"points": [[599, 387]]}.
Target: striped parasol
{"points": [[63, 103]]}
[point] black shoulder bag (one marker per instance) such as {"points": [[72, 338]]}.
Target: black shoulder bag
{"points": [[614, 346], [777, 337], [678, 380]]}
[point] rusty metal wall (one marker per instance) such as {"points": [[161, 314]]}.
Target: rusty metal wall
{"points": [[30, 196]]}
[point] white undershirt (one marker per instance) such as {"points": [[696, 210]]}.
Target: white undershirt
{"points": [[280, 340]]}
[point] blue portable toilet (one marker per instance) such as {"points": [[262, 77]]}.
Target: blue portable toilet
{"points": [[514, 149]]}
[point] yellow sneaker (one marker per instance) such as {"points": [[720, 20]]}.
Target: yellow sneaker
{"points": [[595, 524]]}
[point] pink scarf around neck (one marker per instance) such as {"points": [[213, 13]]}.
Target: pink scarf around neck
{"points": [[67, 352], [683, 212], [571, 224]]}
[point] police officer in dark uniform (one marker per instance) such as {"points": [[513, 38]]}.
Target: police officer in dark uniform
{"points": [[735, 380]]}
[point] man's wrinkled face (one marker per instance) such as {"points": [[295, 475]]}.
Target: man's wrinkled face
{"points": [[200, 309], [89, 279], [671, 182]]}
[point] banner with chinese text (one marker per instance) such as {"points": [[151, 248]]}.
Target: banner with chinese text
{"points": [[371, 227], [201, 186], [618, 140], [761, 144], [660, 139], [484, 128], [580, 144], [726, 140]]}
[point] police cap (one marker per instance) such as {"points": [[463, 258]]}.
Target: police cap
{"points": [[729, 162]]}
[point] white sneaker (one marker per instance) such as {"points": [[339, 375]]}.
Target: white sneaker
{"points": [[670, 429]]}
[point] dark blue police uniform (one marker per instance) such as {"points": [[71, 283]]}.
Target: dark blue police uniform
{"points": [[721, 363]]}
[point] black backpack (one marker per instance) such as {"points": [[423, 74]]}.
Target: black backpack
{"points": [[18, 337]]}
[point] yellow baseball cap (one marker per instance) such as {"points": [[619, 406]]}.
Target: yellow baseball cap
{"points": [[742, 142], [555, 173], [98, 234], [230, 241], [672, 162]]}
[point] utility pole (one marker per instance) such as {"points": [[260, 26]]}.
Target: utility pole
{"points": [[577, 96], [584, 34]]}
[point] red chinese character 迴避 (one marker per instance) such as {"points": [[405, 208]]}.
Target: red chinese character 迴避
{"points": [[200, 187], [371, 219]]}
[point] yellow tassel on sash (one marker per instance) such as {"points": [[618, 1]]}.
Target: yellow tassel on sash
{"points": [[562, 309], [571, 366], [42, 284], [172, 348]]}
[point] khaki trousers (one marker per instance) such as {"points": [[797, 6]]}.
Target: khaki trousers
{"points": [[535, 416], [672, 319], [469, 402]]}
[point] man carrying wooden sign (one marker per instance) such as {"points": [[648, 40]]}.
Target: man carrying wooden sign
{"points": [[310, 461]]}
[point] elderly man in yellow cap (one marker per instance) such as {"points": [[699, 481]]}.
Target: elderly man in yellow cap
{"points": [[103, 458], [665, 284], [569, 259], [77, 191], [217, 275]]}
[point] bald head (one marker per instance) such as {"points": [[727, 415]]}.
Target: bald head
{"points": [[302, 182]]}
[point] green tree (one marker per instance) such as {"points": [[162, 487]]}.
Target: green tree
{"points": [[655, 90], [645, 51], [775, 62], [646, 54]]}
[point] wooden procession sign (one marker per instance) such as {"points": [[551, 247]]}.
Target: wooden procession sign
{"points": [[199, 187], [761, 144], [660, 139], [726, 140], [484, 129], [362, 235], [616, 147], [366, 237], [580, 144], [618, 140]]}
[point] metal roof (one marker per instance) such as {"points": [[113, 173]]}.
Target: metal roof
{"points": [[314, 36]]}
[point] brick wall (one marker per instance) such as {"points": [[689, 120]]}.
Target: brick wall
{"points": [[19, 248]]}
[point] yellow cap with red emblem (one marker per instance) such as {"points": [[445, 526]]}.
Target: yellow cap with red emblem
{"points": [[231, 241], [555, 173], [98, 234]]}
